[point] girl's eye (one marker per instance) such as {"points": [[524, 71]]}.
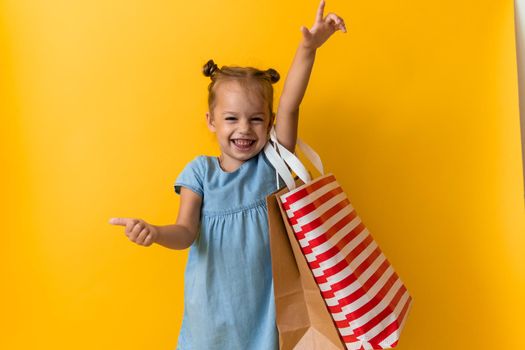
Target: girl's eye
{"points": [[257, 119], [230, 118]]}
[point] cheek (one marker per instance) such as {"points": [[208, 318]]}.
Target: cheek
{"points": [[265, 130], [261, 127], [225, 133]]}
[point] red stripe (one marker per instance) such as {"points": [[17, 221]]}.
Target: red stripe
{"points": [[312, 225], [342, 264], [369, 261], [330, 232], [343, 242], [320, 279], [360, 292], [305, 191], [375, 300], [310, 207], [314, 264], [347, 339], [382, 315], [335, 269], [394, 326], [401, 316], [369, 283], [373, 322], [391, 328], [341, 324], [329, 272], [351, 255]]}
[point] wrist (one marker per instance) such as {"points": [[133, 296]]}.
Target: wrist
{"points": [[306, 48], [156, 233]]}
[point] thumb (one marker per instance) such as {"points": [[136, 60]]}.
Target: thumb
{"points": [[118, 221], [305, 32]]}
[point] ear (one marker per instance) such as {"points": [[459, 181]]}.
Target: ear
{"points": [[210, 122]]}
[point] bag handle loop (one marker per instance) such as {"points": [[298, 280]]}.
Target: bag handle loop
{"points": [[284, 157]]}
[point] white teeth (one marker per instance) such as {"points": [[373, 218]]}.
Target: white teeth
{"points": [[243, 142]]}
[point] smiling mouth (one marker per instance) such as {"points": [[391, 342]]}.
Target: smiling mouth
{"points": [[243, 143]]}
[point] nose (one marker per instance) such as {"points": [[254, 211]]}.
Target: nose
{"points": [[244, 126]]}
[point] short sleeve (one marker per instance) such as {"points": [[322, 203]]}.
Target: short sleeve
{"points": [[191, 177]]}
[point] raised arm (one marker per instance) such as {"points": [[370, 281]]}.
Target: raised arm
{"points": [[287, 118]]}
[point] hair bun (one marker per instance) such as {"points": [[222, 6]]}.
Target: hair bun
{"points": [[274, 76], [209, 68]]}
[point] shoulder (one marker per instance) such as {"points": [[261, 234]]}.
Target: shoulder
{"points": [[197, 162], [263, 158], [193, 174], [200, 163], [265, 162]]}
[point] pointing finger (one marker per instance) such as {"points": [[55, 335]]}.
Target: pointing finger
{"points": [[118, 221], [320, 11]]}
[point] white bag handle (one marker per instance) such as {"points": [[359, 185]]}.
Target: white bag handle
{"points": [[279, 165], [312, 156], [291, 160]]}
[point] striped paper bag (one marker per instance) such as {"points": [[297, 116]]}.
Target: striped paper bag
{"points": [[367, 300]]}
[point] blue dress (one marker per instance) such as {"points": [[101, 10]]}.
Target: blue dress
{"points": [[228, 286]]}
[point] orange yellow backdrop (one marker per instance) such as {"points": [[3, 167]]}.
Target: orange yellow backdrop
{"points": [[415, 110]]}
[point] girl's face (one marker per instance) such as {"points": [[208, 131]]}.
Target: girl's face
{"points": [[241, 122]]}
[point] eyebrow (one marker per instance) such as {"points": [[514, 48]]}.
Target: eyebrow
{"points": [[230, 112]]}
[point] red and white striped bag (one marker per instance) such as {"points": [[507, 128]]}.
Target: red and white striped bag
{"points": [[367, 300]]}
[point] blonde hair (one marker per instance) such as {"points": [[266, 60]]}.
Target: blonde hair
{"points": [[250, 78]]}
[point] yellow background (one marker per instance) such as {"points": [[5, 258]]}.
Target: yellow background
{"points": [[415, 110]]}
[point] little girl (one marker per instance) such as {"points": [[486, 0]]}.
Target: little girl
{"points": [[228, 285]]}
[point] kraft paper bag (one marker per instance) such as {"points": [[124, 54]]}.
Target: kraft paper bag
{"points": [[338, 262], [302, 317]]}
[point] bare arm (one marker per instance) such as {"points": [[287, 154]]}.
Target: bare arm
{"points": [[174, 236], [287, 118], [182, 234]]}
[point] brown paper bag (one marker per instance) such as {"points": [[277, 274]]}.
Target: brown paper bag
{"points": [[303, 319]]}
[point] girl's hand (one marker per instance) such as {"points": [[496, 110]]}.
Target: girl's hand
{"points": [[137, 230], [323, 28]]}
